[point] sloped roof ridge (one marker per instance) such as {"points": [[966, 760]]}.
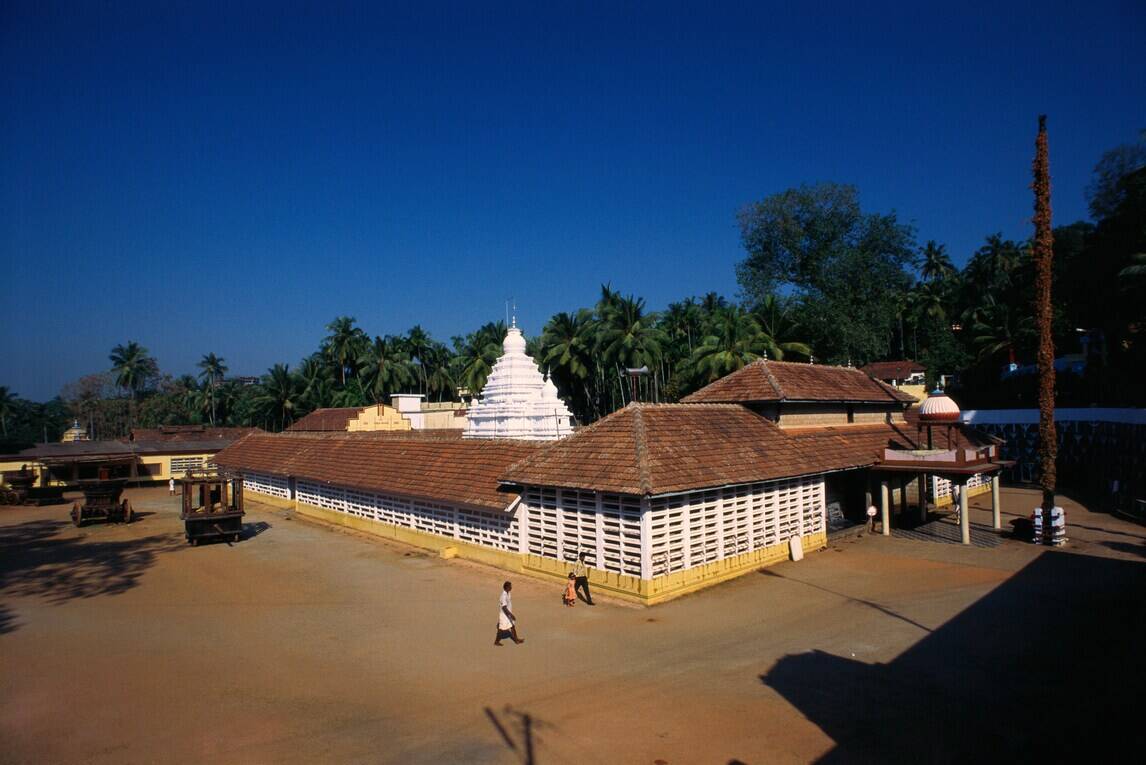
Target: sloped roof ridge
{"points": [[640, 438], [551, 445], [772, 378]]}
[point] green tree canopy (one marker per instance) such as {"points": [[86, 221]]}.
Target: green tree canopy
{"points": [[847, 268]]}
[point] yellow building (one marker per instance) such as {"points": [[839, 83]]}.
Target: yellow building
{"points": [[148, 455]]}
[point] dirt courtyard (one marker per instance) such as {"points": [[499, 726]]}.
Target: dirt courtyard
{"points": [[303, 644]]}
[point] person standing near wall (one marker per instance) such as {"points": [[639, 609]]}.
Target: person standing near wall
{"points": [[581, 578], [506, 621], [171, 486]]}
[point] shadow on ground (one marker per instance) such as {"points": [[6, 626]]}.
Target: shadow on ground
{"points": [[1050, 662], [35, 560]]}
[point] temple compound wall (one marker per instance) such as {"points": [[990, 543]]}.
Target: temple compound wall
{"points": [[647, 549]]}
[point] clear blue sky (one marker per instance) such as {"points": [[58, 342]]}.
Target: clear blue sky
{"points": [[230, 180]]}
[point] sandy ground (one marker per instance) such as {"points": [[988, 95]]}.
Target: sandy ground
{"points": [[307, 644]]}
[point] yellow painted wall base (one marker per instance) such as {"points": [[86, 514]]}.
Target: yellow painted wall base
{"points": [[626, 587]]}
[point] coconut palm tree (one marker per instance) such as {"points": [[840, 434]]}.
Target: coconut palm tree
{"points": [[280, 395], [996, 327], [385, 368], [776, 321], [567, 352], [735, 340], [438, 378], [418, 343], [213, 369], [475, 355], [132, 366], [343, 344], [937, 266], [629, 337]]}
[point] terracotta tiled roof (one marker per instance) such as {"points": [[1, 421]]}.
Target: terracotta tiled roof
{"points": [[764, 380], [664, 448], [892, 370], [330, 419], [852, 446], [180, 433], [441, 469]]}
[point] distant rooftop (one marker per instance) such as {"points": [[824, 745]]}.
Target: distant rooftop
{"points": [[779, 381]]}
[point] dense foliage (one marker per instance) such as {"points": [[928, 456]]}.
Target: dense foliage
{"points": [[820, 276]]}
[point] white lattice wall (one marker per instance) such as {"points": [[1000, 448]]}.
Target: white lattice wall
{"points": [[266, 484], [491, 529], [562, 523], [701, 527], [682, 531], [941, 488], [180, 465]]}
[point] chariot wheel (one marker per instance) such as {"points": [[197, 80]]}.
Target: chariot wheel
{"points": [[128, 513], [77, 515]]}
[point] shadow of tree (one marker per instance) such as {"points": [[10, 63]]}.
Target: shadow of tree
{"points": [[36, 561], [8, 621], [1126, 547], [1048, 663]]}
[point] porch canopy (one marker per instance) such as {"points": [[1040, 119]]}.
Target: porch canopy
{"points": [[957, 465]]}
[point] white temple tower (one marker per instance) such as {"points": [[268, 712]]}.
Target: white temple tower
{"points": [[517, 402]]}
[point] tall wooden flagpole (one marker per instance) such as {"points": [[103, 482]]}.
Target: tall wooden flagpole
{"points": [[1043, 253]]}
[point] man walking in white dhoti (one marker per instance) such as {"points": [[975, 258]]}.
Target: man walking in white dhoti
{"points": [[506, 621]]}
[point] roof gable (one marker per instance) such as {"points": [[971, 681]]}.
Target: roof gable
{"points": [[778, 381], [649, 449]]}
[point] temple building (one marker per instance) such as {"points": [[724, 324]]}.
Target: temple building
{"points": [[517, 402], [663, 499]]}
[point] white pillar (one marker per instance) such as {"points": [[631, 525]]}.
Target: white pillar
{"points": [[646, 539], [523, 522], [964, 519], [996, 510], [721, 508], [560, 526], [686, 530], [884, 509], [600, 558]]}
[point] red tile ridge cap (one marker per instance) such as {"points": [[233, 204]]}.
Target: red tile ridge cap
{"points": [[639, 442], [772, 378]]}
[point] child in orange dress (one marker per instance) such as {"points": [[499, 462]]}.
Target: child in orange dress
{"points": [[570, 596]]}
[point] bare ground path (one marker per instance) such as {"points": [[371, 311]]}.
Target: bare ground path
{"points": [[305, 644]]}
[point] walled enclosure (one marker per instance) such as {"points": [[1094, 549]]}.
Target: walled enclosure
{"points": [[642, 549]]}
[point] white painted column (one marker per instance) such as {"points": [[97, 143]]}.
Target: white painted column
{"points": [[646, 539], [560, 526], [523, 523], [600, 526], [721, 510], [686, 529], [964, 519], [752, 499], [884, 508], [996, 510]]}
